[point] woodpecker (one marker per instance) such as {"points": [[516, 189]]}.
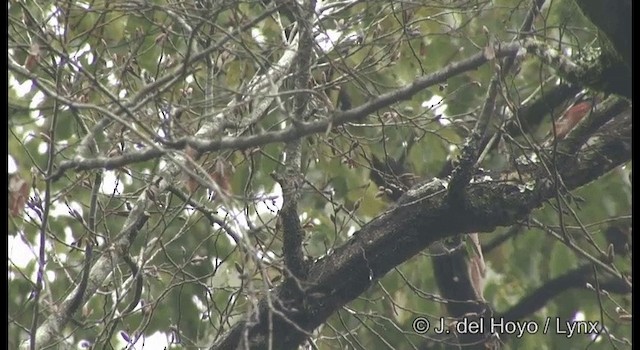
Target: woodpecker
{"points": [[579, 109]]}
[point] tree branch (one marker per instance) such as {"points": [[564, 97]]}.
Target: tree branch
{"points": [[576, 278], [602, 113], [292, 132], [421, 217], [293, 234], [614, 64], [462, 173], [531, 115], [52, 327], [579, 277]]}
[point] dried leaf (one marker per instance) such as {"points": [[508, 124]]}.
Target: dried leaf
{"points": [[33, 57], [221, 174], [477, 267], [489, 52], [190, 183], [18, 195]]}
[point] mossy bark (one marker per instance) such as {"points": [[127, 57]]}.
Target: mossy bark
{"points": [[612, 72]]}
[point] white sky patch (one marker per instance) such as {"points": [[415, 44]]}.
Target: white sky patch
{"points": [[51, 276], [68, 235], [61, 209], [437, 105], [20, 253], [160, 132], [273, 204], [126, 179], [267, 256], [189, 210], [90, 57], [198, 303], [568, 51], [111, 184], [43, 147], [53, 23], [62, 257], [235, 220], [75, 207], [216, 262], [352, 230], [35, 102], [157, 340], [86, 49], [58, 60], [328, 39], [12, 167], [258, 37], [21, 89], [112, 80]]}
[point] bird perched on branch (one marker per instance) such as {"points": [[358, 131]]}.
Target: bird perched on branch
{"points": [[578, 110]]}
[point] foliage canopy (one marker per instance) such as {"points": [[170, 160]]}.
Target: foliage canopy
{"points": [[276, 174]]}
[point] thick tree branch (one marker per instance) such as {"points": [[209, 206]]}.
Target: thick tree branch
{"points": [[291, 180], [613, 18], [293, 234], [422, 217], [576, 278], [292, 132], [616, 25], [451, 267], [525, 28]]}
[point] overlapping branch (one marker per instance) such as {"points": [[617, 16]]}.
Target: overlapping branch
{"points": [[293, 132], [52, 327], [423, 216]]}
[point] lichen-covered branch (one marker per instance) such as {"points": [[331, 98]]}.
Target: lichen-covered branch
{"points": [[423, 216], [291, 180]]}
